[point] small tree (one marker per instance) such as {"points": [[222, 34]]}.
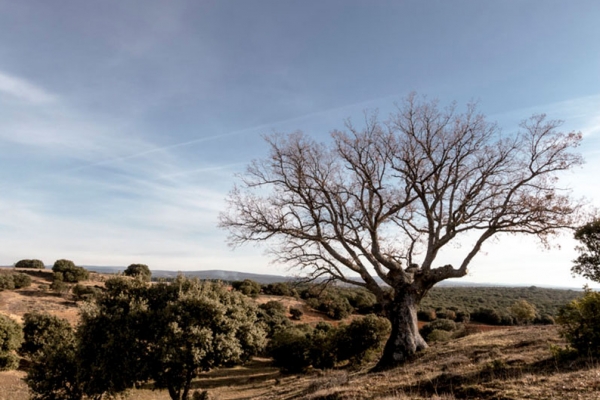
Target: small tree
{"points": [[139, 270], [41, 331], [579, 323], [11, 337], [69, 272], [523, 311], [35, 264], [247, 287], [588, 262]]}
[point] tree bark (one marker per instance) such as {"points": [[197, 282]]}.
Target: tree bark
{"points": [[405, 340]]}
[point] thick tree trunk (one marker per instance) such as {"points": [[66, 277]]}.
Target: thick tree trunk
{"points": [[405, 340]]}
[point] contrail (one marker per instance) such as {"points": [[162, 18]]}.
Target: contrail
{"points": [[224, 135]]}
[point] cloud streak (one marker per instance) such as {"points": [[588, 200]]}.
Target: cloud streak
{"points": [[21, 89]]}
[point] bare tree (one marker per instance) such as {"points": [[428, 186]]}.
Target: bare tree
{"points": [[382, 201]]}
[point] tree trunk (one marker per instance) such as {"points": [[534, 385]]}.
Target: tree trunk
{"points": [[405, 340]]}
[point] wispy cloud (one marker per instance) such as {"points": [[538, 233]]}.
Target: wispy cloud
{"points": [[23, 90]]}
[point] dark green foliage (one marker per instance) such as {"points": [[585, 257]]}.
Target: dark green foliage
{"points": [[426, 315], [491, 305], [355, 341], [273, 316], [82, 292], [332, 304], [14, 281], [7, 282], [588, 262], [140, 271], [58, 285], [8, 361], [580, 323], [21, 280], [247, 287], [445, 314], [291, 349], [54, 373], [279, 289], [11, 337], [36, 264], [42, 330], [168, 332], [66, 271], [296, 313], [440, 325], [296, 348]]}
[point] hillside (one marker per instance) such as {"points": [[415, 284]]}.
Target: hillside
{"points": [[508, 363]]}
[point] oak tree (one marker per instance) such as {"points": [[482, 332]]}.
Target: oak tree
{"points": [[374, 207]]}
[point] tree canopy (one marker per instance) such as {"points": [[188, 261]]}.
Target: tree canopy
{"points": [[135, 332], [588, 262], [383, 201]]}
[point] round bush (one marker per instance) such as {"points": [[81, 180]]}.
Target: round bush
{"points": [[35, 264], [439, 324], [21, 280], [290, 349], [140, 271], [438, 335]]}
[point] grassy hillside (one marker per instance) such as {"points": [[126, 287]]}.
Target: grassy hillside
{"points": [[509, 363]]}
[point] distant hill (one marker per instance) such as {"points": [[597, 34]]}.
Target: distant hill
{"points": [[265, 278], [209, 274]]}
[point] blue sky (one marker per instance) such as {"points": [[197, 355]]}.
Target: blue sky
{"points": [[123, 123]]}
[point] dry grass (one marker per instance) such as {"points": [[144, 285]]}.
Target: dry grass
{"points": [[513, 363]]}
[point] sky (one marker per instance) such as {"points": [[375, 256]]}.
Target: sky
{"points": [[123, 124]]}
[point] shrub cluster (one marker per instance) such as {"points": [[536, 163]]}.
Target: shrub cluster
{"points": [[273, 317], [35, 264], [279, 289], [66, 271], [11, 336], [139, 271], [247, 287], [296, 348], [441, 330], [14, 281], [580, 323]]}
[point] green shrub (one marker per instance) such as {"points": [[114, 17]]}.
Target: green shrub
{"points": [[523, 311], [279, 289], [438, 335], [296, 313], [426, 315], [41, 330], [272, 315], [69, 272], [247, 287], [361, 338], [11, 337], [140, 271], [36, 264], [59, 286], [291, 349], [439, 324], [580, 323], [7, 282], [82, 292], [21, 280]]}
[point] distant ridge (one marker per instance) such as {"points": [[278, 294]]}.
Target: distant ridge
{"points": [[229, 276], [214, 274]]}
